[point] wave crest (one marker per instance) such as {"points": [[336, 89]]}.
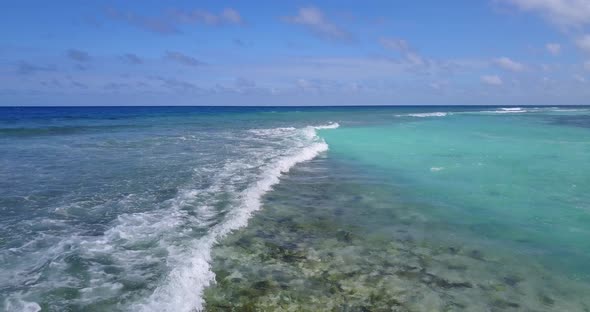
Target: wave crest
{"points": [[183, 288], [423, 115], [332, 125]]}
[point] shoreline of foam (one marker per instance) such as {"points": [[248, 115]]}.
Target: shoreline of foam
{"points": [[184, 286], [499, 110], [423, 115]]}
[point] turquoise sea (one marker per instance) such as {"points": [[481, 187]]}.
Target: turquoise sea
{"points": [[295, 209]]}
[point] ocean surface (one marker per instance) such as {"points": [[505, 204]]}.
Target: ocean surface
{"points": [[295, 209]]}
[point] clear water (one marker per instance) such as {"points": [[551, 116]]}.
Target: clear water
{"points": [[183, 209]]}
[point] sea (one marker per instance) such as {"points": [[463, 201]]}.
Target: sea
{"points": [[365, 208]]}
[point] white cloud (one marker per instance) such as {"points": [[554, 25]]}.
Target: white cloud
{"points": [[415, 58], [402, 46], [169, 22], [227, 16], [231, 16], [509, 64], [587, 65], [565, 13], [553, 48], [314, 19], [439, 85], [491, 80], [584, 43], [305, 85], [395, 44], [182, 59], [579, 78], [242, 82]]}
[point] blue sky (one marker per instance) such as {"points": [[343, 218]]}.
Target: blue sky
{"points": [[502, 52]]}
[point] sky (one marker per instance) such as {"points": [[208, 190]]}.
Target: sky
{"points": [[391, 52]]}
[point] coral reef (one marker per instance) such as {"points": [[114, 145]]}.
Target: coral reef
{"points": [[346, 248]]}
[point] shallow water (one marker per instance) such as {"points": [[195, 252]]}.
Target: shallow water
{"points": [[404, 209], [349, 247]]}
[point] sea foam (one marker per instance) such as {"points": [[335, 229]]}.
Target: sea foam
{"points": [[423, 115], [332, 125], [182, 290], [507, 110]]}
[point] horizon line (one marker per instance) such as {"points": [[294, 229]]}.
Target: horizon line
{"points": [[294, 106]]}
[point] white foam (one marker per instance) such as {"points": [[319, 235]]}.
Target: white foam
{"points": [[509, 110], [18, 304], [423, 115], [435, 169], [272, 131], [183, 288], [332, 125], [568, 109]]}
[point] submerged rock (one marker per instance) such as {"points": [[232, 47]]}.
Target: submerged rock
{"points": [[344, 236]]}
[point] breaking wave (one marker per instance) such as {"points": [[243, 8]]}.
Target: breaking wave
{"points": [[423, 115], [183, 287], [156, 255]]}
